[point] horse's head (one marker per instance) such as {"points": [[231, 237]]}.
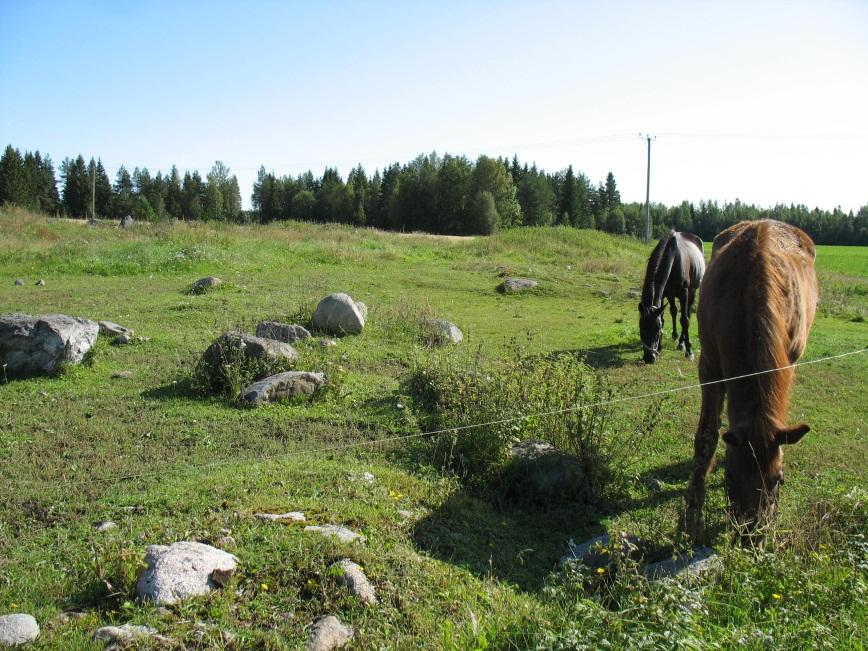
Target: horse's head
{"points": [[754, 474], [650, 331]]}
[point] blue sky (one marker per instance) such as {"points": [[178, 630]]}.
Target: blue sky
{"points": [[763, 101]]}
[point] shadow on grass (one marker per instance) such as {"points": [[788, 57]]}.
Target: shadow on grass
{"points": [[181, 388], [610, 356]]}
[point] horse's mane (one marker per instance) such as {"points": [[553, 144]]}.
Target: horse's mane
{"points": [[653, 267]]}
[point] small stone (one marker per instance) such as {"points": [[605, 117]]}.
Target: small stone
{"points": [[70, 616], [353, 577], [107, 525], [328, 633], [292, 516], [122, 340], [365, 478], [19, 282], [634, 293], [183, 569], [281, 331], [328, 343], [601, 293], [338, 531], [126, 633], [40, 283], [17, 628], [122, 375], [405, 514], [440, 332], [204, 284], [142, 339], [111, 329], [690, 564], [653, 485], [225, 542]]}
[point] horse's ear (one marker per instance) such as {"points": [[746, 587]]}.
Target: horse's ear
{"points": [[790, 435], [732, 438]]}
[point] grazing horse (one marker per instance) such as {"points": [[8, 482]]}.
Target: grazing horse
{"points": [[675, 269], [758, 302]]}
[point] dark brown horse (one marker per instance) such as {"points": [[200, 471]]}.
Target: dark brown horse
{"points": [[758, 302], [675, 269]]}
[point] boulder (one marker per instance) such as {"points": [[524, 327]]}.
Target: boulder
{"points": [[328, 633], [204, 284], [281, 331], [541, 473], [235, 347], [352, 576], [441, 331], [689, 564], [182, 570], [515, 285], [40, 283], [338, 314], [17, 628], [19, 282], [290, 384], [40, 345], [126, 221]]}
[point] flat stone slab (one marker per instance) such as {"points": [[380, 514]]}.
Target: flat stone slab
{"points": [[688, 564], [125, 633], [342, 533], [111, 329], [292, 516], [287, 333], [183, 569], [516, 285], [328, 633], [351, 575], [338, 314], [290, 384], [594, 552], [17, 628], [107, 525], [40, 345]]}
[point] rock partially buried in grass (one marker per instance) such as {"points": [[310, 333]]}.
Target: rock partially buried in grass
{"points": [[122, 375], [107, 525], [597, 551], [290, 384], [689, 564], [234, 348], [17, 628], [338, 314], [328, 633], [204, 284], [126, 221], [111, 329], [338, 531], [126, 633], [281, 331], [19, 282], [40, 345], [539, 473], [516, 285], [440, 332], [292, 516], [351, 575], [40, 283], [182, 570]]}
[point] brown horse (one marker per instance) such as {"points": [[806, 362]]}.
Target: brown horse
{"points": [[675, 269], [758, 302]]}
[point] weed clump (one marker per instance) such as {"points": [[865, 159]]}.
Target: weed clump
{"points": [[232, 362]]}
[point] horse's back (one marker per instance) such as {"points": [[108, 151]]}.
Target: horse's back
{"points": [[691, 245]]}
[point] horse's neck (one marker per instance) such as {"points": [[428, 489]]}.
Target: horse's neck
{"points": [[653, 294]]}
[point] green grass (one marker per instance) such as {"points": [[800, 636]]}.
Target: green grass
{"points": [[469, 569]]}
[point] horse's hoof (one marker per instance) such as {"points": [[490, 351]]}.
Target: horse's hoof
{"points": [[680, 345], [689, 355], [674, 336]]}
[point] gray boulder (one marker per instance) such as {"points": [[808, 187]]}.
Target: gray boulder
{"points": [[126, 221], [339, 531], [516, 285], [351, 575], [204, 284], [338, 314], [440, 332], [39, 345], [40, 283], [17, 628], [111, 329], [541, 473], [19, 282], [281, 331], [690, 564], [236, 347], [290, 384], [328, 633], [182, 570]]}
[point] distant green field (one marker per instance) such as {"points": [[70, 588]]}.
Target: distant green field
{"points": [[468, 569]]}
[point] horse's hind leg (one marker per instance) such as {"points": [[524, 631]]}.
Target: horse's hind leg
{"points": [[704, 447], [686, 299], [673, 310]]}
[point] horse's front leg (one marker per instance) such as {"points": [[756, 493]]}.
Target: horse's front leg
{"points": [[686, 302], [673, 310], [704, 447]]}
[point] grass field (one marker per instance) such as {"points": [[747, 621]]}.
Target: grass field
{"points": [[469, 569]]}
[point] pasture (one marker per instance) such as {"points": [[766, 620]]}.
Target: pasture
{"points": [[468, 569]]}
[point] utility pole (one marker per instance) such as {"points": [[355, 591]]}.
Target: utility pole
{"points": [[93, 192], [647, 236]]}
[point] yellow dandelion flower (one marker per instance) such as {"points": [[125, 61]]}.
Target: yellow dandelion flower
{"points": [[601, 570], [777, 596], [263, 587]]}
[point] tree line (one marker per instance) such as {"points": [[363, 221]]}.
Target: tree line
{"points": [[437, 194]]}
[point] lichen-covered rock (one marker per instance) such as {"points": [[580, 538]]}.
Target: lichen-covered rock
{"points": [[351, 575], [112, 329], [515, 285], [338, 531], [183, 569], [17, 628], [290, 384], [40, 345], [125, 633], [291, 516], [281, 331], [328, 633], [235, 348], [338, 314]]}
